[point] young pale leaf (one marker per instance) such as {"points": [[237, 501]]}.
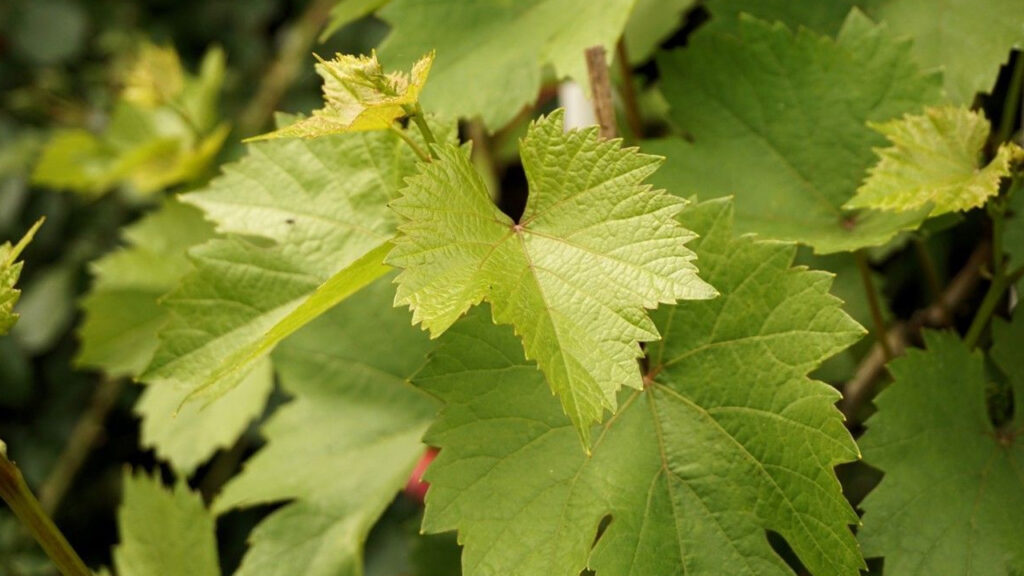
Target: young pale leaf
{"points": [[728, 438], [934, 160], [156, 77], [968, 39], [163, 532], [352, 431], [491, 52], [778, 119], [953, 489], [10, 271], [594, 247], [359, 96], [162, 132], [307, 225]]}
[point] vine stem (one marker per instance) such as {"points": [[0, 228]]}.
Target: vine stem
{"points": [[26, 507], [87, 431], [1000, 279], [296, 43], [988, 306], [412, 143], [861, 387], [876, 308], [416, 115], [636, 125]]}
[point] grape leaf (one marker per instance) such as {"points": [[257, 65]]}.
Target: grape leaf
{"points": [[164, 532], [156, 76], [728, 438], [359, 96], [968, 39], [353, 430], [490, 53], [778, 120], [186, 435], [1013, 235], [307, 225], [650, 23], [119, 336], [594, 247], [934, 158], [148, 144], [122, 317], [823, 17], [952, 493], [347, 11], [10, 271]]}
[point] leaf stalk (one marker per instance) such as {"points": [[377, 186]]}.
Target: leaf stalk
{"points": [[873, 302]]}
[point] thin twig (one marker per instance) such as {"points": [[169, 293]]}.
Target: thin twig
{"points": [[296, 45], [483, 157], [876, 307], [84, 436], [412, 143], [419, 119], [23, 503], [632, 108], [601, 87], [860, 389]]}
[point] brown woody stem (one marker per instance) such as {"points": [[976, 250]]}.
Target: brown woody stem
{"points": [[601, 86]]}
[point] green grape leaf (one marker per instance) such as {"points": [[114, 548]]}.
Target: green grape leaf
{"points": [[1013, 235], [1007, 339], [650, 23], [162, 132], [10, 271], [778, 120], [164, 532], [728, 439], [490, 53], [968, 39], [594, 248], [347, 11], [119, 336], [122, 317], [188, 434], [359, 96], [822, 17], [934, 159], [353, 429], [307, 224], [950, 500]]}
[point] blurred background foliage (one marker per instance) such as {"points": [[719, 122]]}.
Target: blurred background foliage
{"points": [[76, 117]]}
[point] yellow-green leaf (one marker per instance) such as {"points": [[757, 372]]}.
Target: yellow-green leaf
{"points": [[359, 96], [935, 158], [10, 271]]}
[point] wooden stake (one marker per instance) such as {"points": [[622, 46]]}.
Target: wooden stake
{"points": [[601, 87]]}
